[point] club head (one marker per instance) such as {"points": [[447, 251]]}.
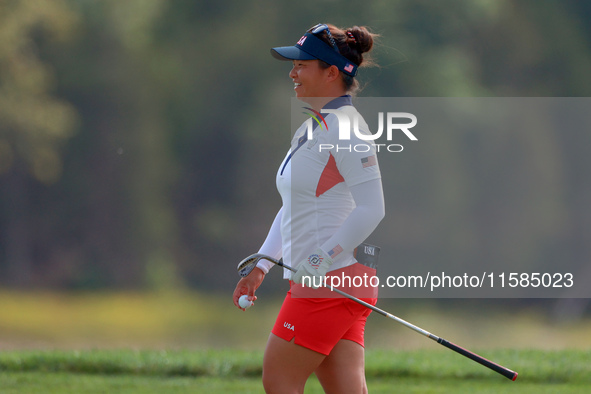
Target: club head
{"points": [[246, 266]]}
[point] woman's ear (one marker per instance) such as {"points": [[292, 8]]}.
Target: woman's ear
{"points": [[333, 73]]}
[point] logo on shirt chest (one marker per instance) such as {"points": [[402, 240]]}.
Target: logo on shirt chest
{"points": [[313, 141]]}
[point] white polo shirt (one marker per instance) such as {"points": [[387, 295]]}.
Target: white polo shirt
{"points": [[313, 181]]}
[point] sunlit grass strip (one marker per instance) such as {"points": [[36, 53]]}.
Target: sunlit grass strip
{"points": [[532, 365], [166, 363]]}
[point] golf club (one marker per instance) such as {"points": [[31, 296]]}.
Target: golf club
{"points": [[246, 266]]}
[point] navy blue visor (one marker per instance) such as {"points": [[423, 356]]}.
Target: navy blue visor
{"points": [[310, 47]]}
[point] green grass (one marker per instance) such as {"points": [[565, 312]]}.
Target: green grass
{"points": [[33, 324], [230, 371]]}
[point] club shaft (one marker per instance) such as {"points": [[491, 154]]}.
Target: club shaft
{"points": [[458, 349], [506, 372]]}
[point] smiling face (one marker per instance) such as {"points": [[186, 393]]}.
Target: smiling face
{"points": [[312, 81], [307, 77]]}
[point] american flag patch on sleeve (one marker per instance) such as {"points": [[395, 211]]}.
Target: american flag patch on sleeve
{"points": [[369, 161], [335, 251]]}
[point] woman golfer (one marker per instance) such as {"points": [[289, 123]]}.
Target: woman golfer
{"points": [[332, 201]]}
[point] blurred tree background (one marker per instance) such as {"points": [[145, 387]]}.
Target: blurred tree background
{"points": [[139, 139]]}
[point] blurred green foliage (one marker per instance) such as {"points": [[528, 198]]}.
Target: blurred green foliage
{"points": [[34, 122], [139, 139]]}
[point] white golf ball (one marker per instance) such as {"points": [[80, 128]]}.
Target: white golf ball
{"points": [[244, 302]]}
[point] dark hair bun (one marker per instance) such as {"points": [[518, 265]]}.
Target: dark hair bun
{"points": [[360, 39], [352, 42]]}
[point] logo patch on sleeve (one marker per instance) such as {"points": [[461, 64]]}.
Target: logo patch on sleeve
{"points": [[369, 161]]}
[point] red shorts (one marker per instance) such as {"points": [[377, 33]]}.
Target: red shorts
{"points": [[319, 323]]}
